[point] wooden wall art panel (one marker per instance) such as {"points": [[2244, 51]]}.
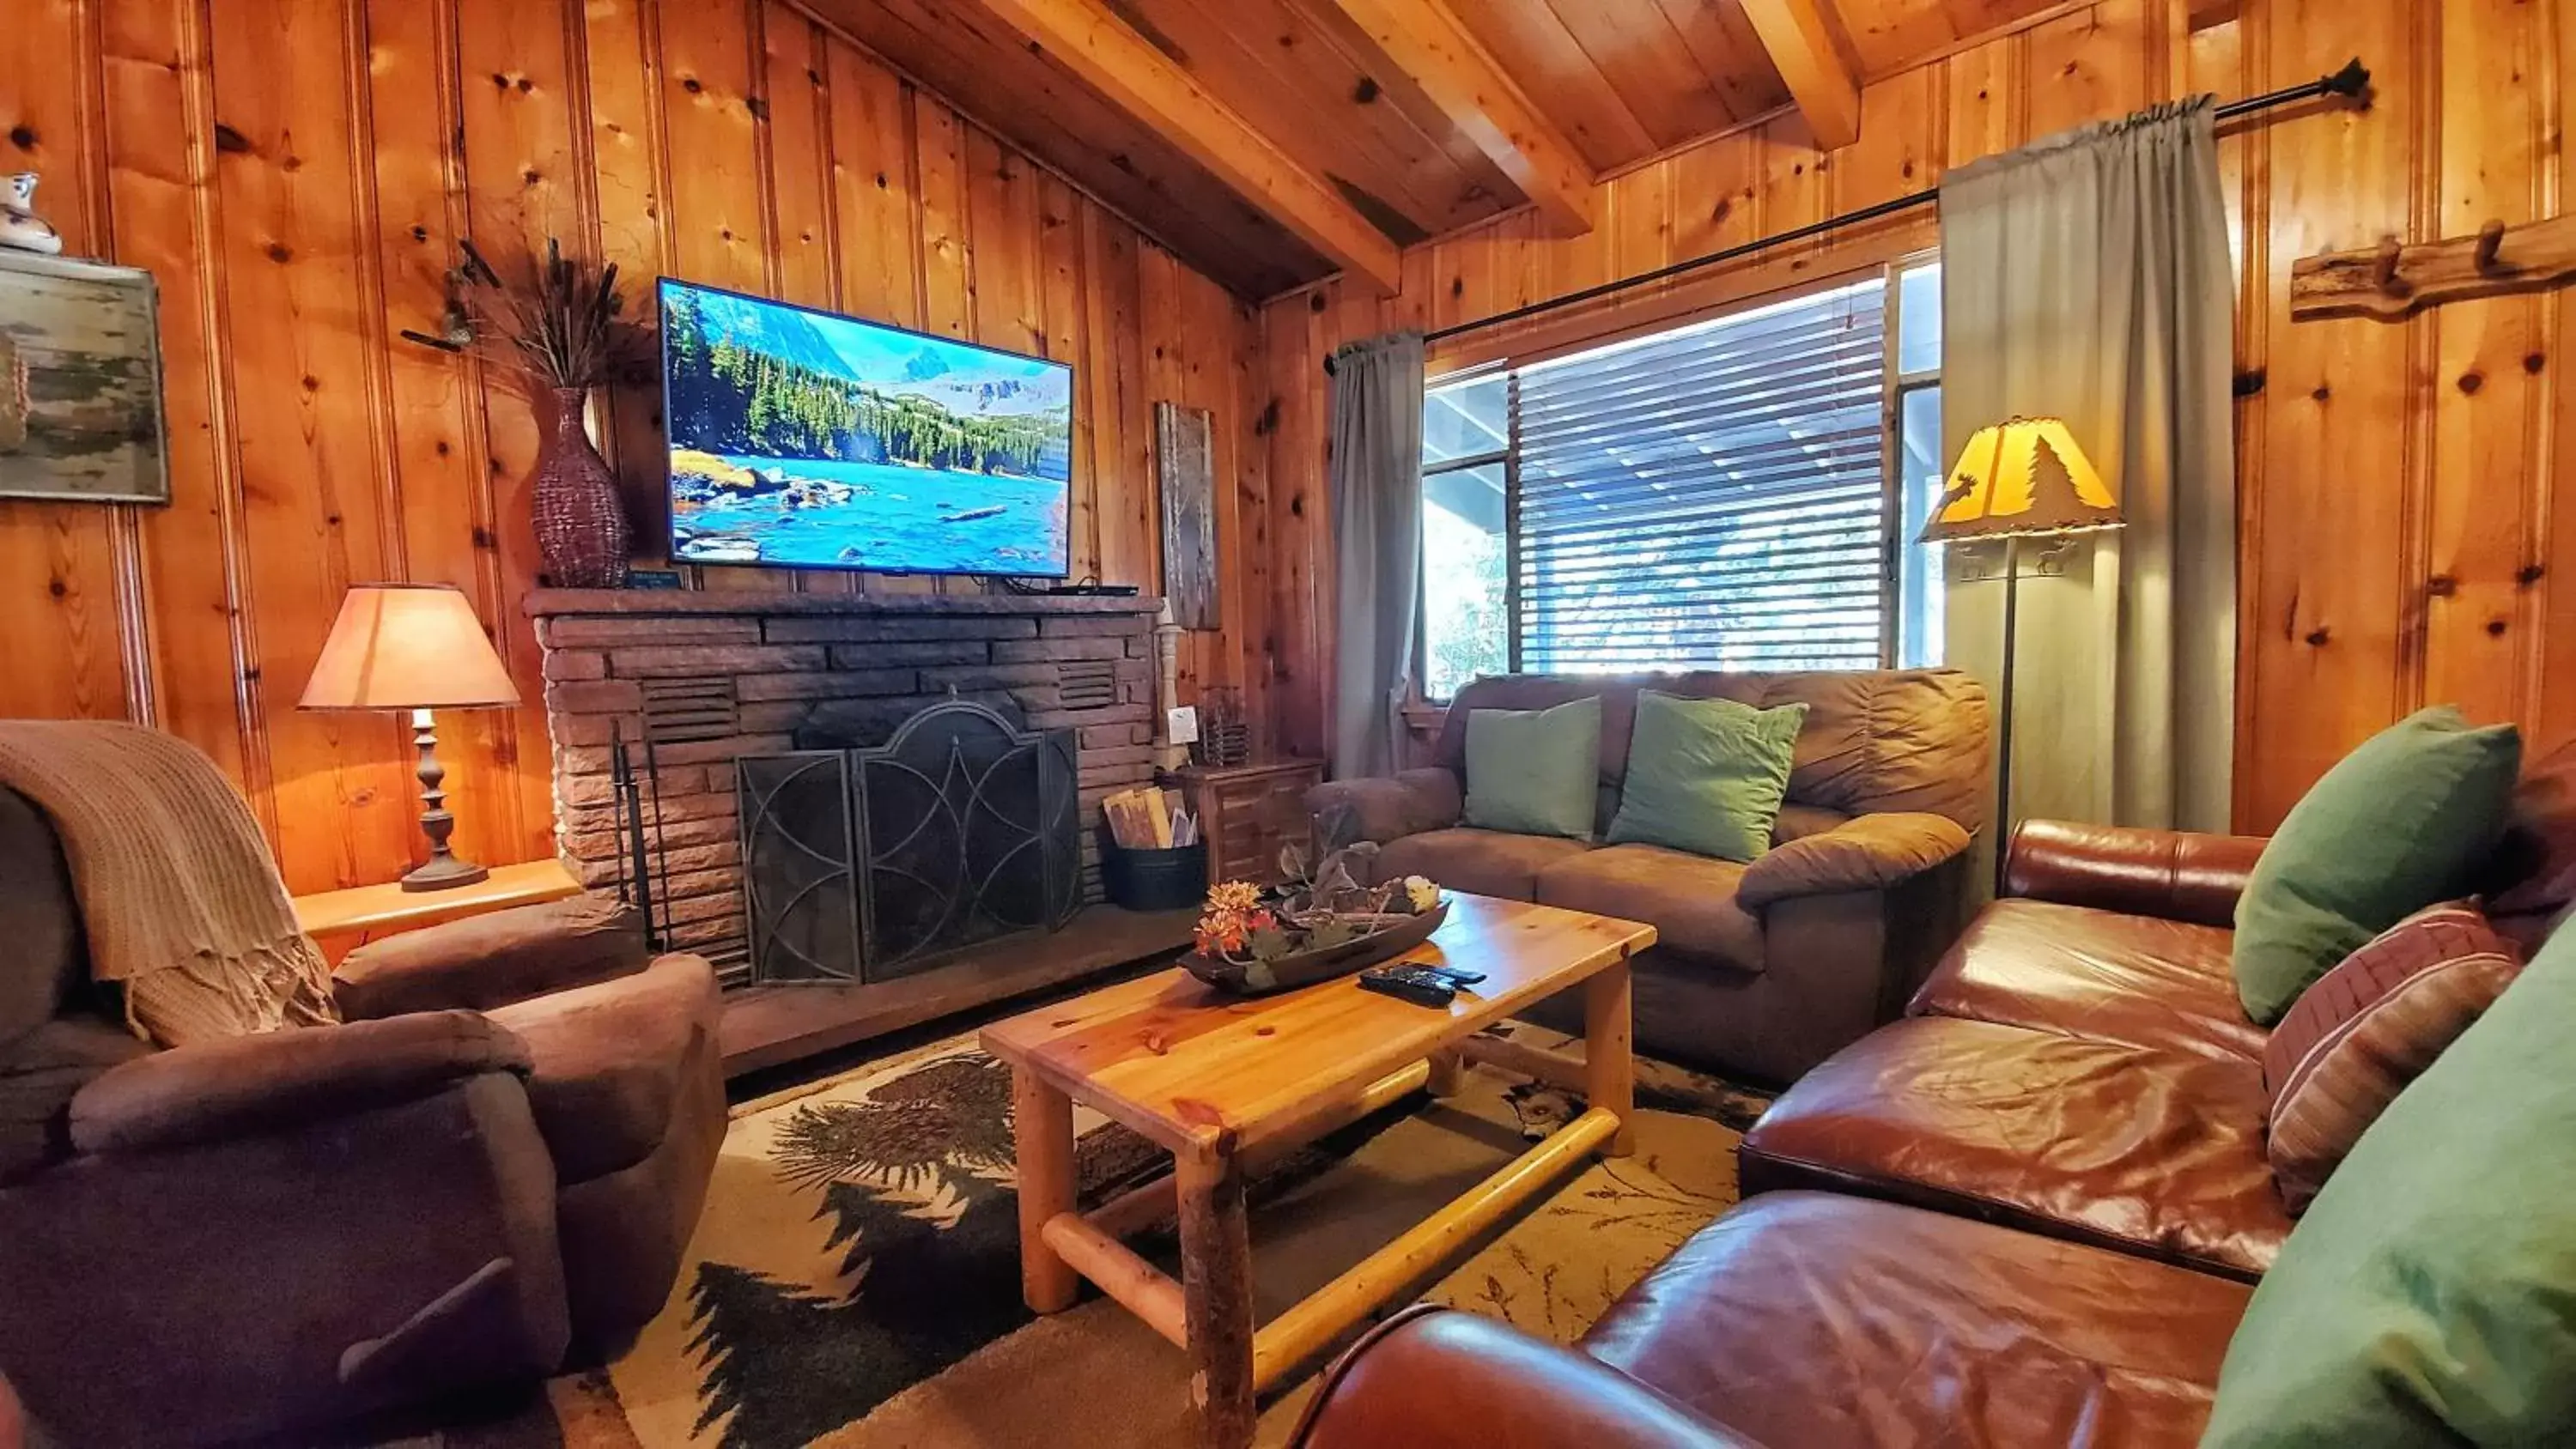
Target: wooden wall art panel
{"points": [[2402, 508], [1184, 442], [298, 173]]}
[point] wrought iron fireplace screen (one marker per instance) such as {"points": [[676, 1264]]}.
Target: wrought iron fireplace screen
{"points": [[865, 865]]}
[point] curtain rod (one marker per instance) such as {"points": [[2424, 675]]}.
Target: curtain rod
{"points": [[2350, 83]]}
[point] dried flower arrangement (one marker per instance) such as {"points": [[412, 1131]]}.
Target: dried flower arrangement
{"points": [[563, 330], [1323, 923], [561, 334]]}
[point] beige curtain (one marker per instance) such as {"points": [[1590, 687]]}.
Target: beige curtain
{"points": [[2087, 276], [1377, 547]]}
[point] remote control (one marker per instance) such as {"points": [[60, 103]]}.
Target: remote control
{"points": [[1456, 975], [1409, 983]]}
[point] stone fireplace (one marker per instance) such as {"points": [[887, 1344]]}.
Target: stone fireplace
{"points": [[717, 676]]}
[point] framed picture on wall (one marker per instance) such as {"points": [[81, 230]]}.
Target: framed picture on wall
{"points": [[80, 382], [1185, 467]]}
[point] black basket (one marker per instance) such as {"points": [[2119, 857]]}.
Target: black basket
{"points": [[1154, 880]]}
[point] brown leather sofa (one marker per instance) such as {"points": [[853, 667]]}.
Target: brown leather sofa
{"points": [[2030, 1213], [2077, 1066], [1761, 970], [486, 1174]]}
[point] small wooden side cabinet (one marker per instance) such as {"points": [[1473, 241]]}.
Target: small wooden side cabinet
{"points": [[1246, 812]]}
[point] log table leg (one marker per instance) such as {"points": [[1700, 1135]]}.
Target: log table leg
{"points": [[1609, 1064], [1448, 1073], [1216, 1287], [1044, 1123]]}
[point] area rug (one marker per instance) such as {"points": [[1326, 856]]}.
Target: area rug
{"points": [[855, 1280]]}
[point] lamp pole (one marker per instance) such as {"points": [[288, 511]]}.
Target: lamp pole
{"points": [[2004, 726]]}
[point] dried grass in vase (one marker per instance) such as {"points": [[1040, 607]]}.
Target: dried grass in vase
{"points": [[562, 335]]}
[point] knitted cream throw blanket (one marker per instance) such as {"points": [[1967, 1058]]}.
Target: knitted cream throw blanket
{"points": [[182, 908]]}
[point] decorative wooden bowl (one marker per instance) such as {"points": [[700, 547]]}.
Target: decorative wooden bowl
{"points": [[1305, 968]]}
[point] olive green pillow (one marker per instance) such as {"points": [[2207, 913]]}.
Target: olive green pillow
{"points": [[1706, 775], [2429, 1294], [2396, 825], [1534, 771]]}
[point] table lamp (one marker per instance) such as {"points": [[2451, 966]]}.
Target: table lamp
{"points": [[416, 647], [2021, 478]]}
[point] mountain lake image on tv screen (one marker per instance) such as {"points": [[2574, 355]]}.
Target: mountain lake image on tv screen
{"points": [[809, 441]]}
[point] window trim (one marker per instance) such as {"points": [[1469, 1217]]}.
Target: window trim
{"points": [[1891, 442], [1422, 711], [1508, 456], [1900, 386]]}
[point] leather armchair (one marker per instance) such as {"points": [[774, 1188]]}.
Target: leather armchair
{"points": [[1432, 1378], [485, 1175]]}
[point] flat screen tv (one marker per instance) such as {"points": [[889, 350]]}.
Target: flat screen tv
{"points": [[804, 440]]}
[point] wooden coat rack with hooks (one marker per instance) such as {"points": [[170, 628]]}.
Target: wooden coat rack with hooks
{"points": [[2393, 280]]}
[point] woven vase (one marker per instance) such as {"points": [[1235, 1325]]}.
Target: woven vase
{"points": [[580, 520]]}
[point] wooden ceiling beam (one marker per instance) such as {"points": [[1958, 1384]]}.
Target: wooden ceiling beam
{"points": [[1114, 60], [1425, 41], [1799, 35]]}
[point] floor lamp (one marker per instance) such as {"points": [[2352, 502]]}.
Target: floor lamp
{"points": [[2018, 479]]}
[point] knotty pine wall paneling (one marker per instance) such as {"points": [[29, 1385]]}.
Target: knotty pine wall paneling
{"points": [[59, 566], [298, 174], [2404, 501], [2404, 519]]}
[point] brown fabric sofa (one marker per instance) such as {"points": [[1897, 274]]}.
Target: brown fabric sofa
{"points": [[2030, 1213], [1762, 970], [486, 1174]]}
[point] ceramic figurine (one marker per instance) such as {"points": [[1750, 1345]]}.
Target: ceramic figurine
{"points": [[20, 227]]}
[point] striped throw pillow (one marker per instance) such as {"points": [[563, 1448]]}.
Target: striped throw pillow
{"points": [[2368, 1027]]}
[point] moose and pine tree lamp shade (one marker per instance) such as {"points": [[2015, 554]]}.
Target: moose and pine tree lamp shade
{"points": [[2017, 479], [415, 647]]}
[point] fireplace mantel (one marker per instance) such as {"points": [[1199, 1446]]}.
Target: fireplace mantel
{"points": [[624, 603]]}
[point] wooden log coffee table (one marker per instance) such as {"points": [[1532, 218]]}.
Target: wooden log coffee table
{"points": [[1225, 1083]]}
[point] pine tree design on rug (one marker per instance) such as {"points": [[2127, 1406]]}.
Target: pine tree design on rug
{"points": [[915, 1179], [954, 1113], [789, 1366]]}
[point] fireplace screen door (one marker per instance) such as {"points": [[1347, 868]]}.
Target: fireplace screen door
{"points": [[866, 865]]}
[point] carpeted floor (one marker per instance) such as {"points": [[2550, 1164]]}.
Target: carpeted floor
{"points": [[855, 1280]]}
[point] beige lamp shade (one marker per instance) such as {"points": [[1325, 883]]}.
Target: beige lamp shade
{"points": [[408, 646], [2022, 478]]}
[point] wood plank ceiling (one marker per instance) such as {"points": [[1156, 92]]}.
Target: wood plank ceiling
{"points": [[1613, 82]]}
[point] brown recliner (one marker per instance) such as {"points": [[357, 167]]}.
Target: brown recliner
{"points": [[488, 1173]]}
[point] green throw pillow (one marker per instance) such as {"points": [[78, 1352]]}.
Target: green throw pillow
{"points": [[1706, 775], [2395, 826], [2429, 1294], [1534, 771]]}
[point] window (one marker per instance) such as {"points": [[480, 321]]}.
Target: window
{"points": [[1466, 453], [1711, 497]]}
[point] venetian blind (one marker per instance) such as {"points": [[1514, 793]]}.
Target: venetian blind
{"points": [[1708, 498]]}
